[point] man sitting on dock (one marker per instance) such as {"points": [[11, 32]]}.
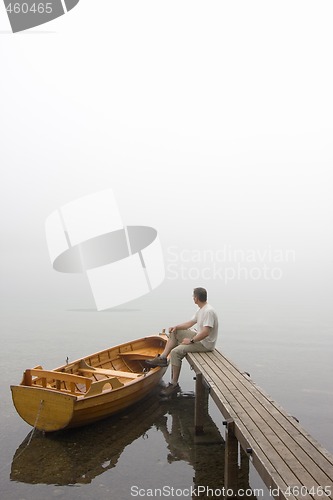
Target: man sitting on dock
{"points": [[183, 340]]}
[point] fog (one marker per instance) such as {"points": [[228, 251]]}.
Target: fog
{"points": [[210, 122]]}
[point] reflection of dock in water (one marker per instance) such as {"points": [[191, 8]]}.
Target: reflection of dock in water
{"points": [[79, 455], [206, 452]]}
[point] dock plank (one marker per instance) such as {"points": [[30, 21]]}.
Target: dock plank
{"points": [[279, 470], [306, 447], [274, 419], [285, 455]]}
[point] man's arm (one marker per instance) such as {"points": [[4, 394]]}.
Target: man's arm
{"points": [[199, 336], [183, 326]]}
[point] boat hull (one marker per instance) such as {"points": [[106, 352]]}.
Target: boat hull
{"points": [[90, 410], [46, 410], [51, 408]]}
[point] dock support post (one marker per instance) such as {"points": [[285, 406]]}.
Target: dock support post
{"points": [[244, 466], [200, 404], [231, 458]]}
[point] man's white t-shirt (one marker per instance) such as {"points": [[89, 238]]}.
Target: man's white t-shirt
{"points": [[206, 316]]}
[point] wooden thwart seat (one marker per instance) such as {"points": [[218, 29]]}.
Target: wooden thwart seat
{"points": [[285, 455], [97, 387], [53, 380], [85, 368], [137, 355]]}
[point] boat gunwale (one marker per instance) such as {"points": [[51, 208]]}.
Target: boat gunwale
{"points": [[85, 396], [72, 363]]}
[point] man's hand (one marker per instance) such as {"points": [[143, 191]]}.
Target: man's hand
{"points": [[182, 326], [186, 341]]}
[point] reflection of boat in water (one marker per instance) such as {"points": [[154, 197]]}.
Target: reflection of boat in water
{"points": [[80, 455], [88, 389]]}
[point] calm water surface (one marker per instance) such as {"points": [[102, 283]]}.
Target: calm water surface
{"points": [[152, 446]]}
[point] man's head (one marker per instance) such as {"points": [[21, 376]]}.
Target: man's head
{"points": [[200, 294]]}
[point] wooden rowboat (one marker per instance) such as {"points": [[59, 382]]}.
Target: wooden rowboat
{"points": [[90, 388]]}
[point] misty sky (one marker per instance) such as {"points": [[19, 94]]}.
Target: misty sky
{"points": [[211, 122]]}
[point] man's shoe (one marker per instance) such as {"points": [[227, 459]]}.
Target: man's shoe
{"points": [[158, 361], [169, 390]]}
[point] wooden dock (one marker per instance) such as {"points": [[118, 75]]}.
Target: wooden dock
{"points": [[290, 462]]}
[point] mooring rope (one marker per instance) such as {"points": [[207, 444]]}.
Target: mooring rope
{"points": [[30, 438], [36, 421], [33, 430]]}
